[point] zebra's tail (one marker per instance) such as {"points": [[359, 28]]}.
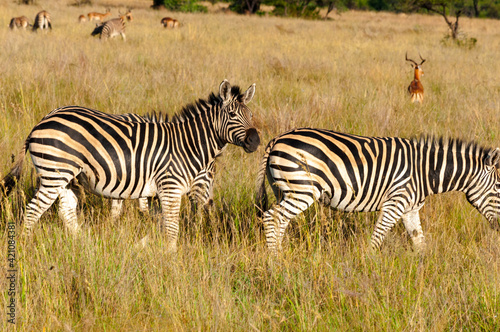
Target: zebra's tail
{"points": [[261, 196], [10, 180]]}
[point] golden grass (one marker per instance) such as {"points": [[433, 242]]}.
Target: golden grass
{"points": [[345, 74]]}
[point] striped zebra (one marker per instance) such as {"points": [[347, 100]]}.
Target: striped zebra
{"points": [[201, 191], [20, 22], [42, 21], [388, 174], [122, 159], [110, 29]]}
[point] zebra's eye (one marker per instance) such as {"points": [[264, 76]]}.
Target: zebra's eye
{"points": [[232, 114]]}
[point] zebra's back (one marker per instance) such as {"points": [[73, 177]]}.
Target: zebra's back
{"points": [[356, 173], [42, 21], [101, 147], [343, 169], [110, 29]]}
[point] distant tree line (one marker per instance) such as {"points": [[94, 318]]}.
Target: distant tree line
{"points": [[310, 8]]}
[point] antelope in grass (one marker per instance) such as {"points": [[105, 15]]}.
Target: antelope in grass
{"points": [[127, 16], [416, 89], [169, 22], [42, 21], [20, 22], [110, 29], [93, 16], [82, 18]]}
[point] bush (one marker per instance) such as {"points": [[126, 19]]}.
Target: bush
{"points": [[191, 6], [296, 9]]}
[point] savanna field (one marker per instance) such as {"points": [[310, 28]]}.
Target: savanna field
{"points": [[348, 74]]}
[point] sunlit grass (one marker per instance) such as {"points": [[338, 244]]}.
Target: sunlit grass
{"points": [[346, 74]]}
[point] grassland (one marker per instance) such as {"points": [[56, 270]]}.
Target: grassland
{"points": [[346, 74]]}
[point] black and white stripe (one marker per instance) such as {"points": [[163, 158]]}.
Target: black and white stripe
{"points": [[110, 29], [42, 21], [388, 174], [201, 191], [123, 159]]}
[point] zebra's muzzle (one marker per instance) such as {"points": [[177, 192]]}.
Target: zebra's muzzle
{"points": [[252, 140]]}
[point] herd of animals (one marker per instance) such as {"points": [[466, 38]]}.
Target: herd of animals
{"points": [[134, 157], [106, 29]]}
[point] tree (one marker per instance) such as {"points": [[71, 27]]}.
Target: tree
{"points": [[245, 6], [331, 5], [441, 7]]}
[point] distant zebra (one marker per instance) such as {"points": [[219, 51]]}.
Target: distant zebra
{"points": [[110, 29], [20, 22], [389, 174], [122, 159], [42, 21], [169, 22], [202, 188]]}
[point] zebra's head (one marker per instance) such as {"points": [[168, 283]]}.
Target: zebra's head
{"points": [[485, 193], [237, 117]]}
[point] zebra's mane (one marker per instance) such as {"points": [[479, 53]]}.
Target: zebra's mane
{"points": [[156, 117], [455, 143], [192, 111]]}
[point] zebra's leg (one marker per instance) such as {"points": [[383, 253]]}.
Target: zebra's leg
{"points": [[143, 205], [67, 209], [43, 199], [170, 206], [277, 218], [413, 226], [116, 208], [390, 213]]}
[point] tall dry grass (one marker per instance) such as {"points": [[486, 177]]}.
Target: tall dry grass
{"points": [[345, 74]]}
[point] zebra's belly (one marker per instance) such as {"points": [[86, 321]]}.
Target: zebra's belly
{"points": [[315, 181], [349, 205], [118, 189]]}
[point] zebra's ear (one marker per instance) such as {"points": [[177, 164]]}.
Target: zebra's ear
{"points": [[225, 90], [493, 158], [248, 95]]}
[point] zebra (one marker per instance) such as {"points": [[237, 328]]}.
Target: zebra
{"points": [[121, 159], [201, 191], [110, 29], [388, 174], [19, 22], [42, 21]]}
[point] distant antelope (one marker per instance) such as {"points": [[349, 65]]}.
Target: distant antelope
{"points": [[416, 89], [169, 22], [110, 29], [127, 16], [93, 16], [82, 18], [42, 21], [19, 22]]}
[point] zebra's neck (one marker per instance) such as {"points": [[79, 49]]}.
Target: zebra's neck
{"points": [[448, 165], [199, 134]]}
